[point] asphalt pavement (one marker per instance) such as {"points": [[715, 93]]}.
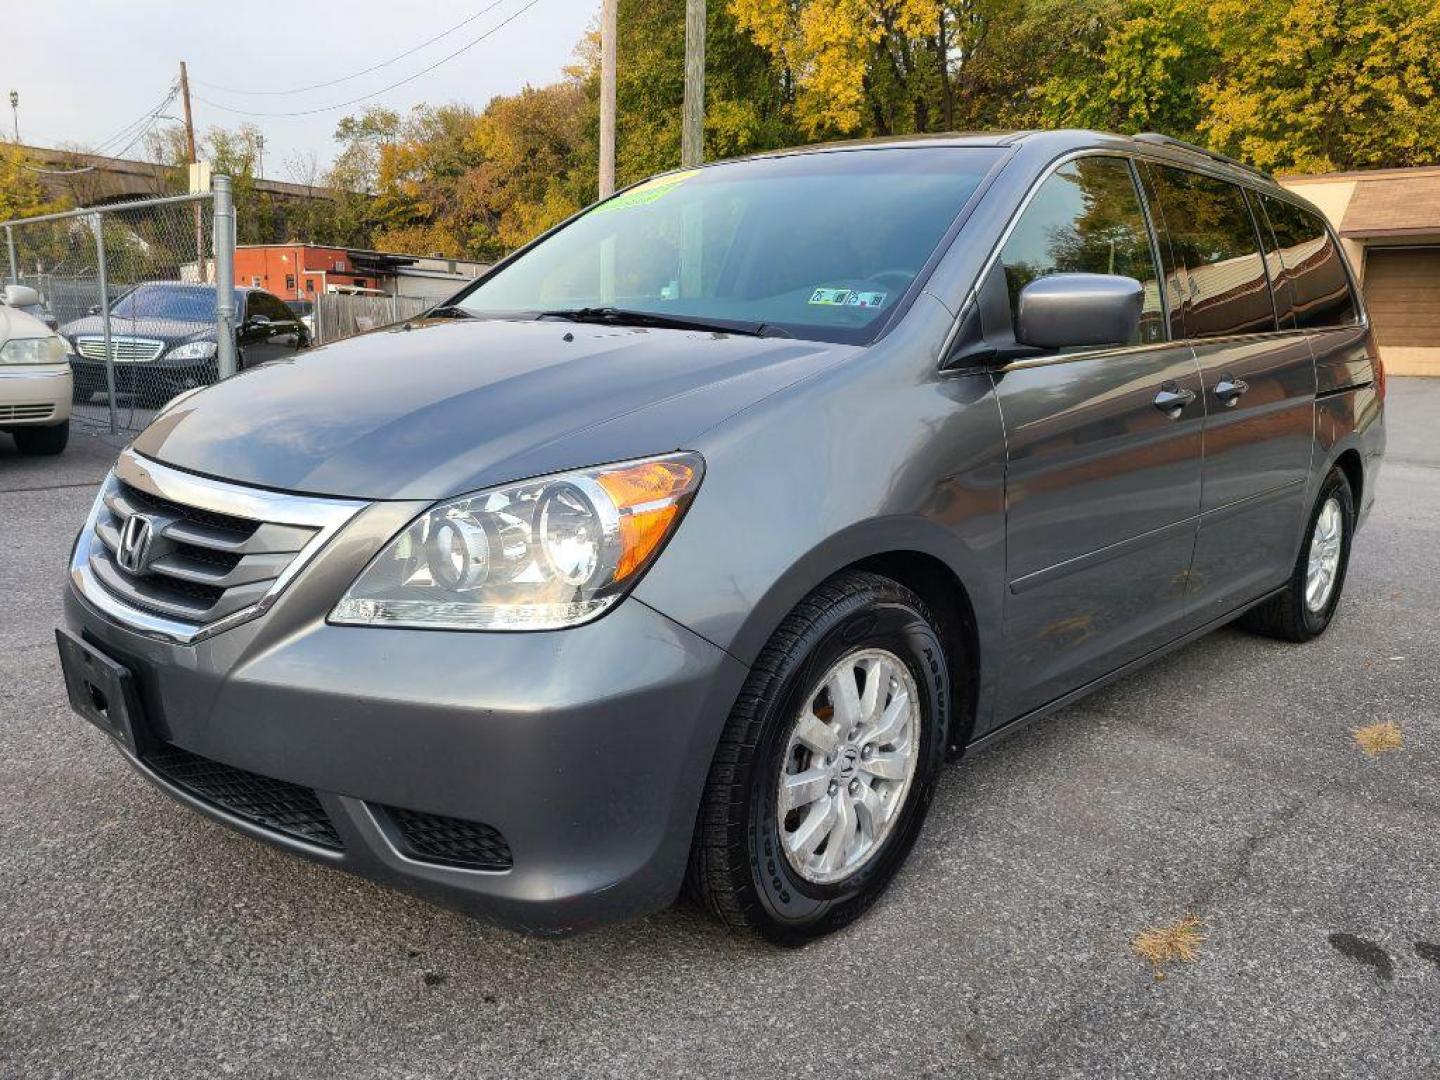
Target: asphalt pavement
{"points": [[138, 940]]}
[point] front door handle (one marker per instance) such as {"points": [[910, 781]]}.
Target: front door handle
{"points": [[1171, 400], [1229, 389]]}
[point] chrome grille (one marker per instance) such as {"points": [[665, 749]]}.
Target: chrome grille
{"points": [[26, 412], [182, 557], [122, 349]]}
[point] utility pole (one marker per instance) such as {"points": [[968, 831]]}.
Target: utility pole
{"points": [[260, 155], [189, 119], [692, 129], [15, 113], [607, 97], [201, 272]]}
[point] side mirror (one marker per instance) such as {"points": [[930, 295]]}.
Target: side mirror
{"points": [[21, 296], [1067, 310], [93, 309]]}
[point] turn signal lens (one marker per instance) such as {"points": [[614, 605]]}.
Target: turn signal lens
{"points": [[537, 555], [649, 497]]}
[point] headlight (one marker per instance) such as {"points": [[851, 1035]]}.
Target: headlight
{"points": [[195, 350], [35, 350], [536, 555]]}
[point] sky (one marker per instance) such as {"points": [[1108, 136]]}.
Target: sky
{"points": [[85, 69]]}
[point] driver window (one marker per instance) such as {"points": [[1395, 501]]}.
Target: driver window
{"points": [[1086, 218]]}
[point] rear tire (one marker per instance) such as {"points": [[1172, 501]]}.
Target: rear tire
{"points": [[42, 440], [1304, 609], [755, 863]]}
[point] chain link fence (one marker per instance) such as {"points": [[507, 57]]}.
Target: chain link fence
{"points": [[136, 289]]}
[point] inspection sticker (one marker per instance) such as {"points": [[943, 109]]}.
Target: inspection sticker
{"points": [[830, 297], [865, 299]]}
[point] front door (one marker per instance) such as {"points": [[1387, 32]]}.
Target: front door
{"points": [[269, 330], [1259, 378], [1103, 456]]}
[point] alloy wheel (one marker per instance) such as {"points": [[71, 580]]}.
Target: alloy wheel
{"points": [[1325, 547], [848, 765]]}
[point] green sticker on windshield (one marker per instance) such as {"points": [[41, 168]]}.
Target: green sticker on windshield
{"points": [[828, 297], [648, 192]]}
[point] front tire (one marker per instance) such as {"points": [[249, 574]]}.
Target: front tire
{"points": [[1304, 609], [42, 440], [827, 765]]}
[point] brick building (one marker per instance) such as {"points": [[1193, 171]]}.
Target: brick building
{"points": [[299, 271]]}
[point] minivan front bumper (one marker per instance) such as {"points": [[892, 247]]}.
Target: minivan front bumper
{"points": [[586, 749]]}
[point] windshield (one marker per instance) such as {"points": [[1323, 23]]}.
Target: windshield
{"points": [[178, 303], [821, 246]]}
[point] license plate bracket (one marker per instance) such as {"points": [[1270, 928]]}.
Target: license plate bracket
{"points": [[101, 690]]}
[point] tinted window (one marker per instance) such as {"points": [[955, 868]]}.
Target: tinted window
{"points": [[821, 245], [183, 303], [1279, 280], [262, 303], [1319, 285], [1086, 218], [1213, 238]]}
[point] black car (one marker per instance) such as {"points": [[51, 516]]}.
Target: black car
{"points": [[163, 339]]}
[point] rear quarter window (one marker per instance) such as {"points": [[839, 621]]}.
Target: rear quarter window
{"points": [[1319, 286]]}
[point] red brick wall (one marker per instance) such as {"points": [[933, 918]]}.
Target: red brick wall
{"points": [[281, 269]]}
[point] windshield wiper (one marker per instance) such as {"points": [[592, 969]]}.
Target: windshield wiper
{"points": [[450, 311], [614, 316]]}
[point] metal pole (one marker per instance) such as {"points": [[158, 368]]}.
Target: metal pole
{"points": [[97, 222], [224, 277], [607, 97], [692, 125], [14, 266]]}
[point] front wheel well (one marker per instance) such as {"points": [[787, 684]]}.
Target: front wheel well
{"points": [[938, 585]]}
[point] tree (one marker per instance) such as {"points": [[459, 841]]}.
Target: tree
{"points": [[1124, 66], [1316, 85], [749, 98], [21, 192]]}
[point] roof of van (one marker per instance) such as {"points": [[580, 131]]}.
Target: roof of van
{"points": [[1060, 139]]}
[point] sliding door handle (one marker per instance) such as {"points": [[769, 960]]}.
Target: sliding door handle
{"points": [[1172, 399]]}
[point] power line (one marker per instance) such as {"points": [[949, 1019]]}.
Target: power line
{"points": [[145, 118], [348, 78], [385, 89], [134, 131]]}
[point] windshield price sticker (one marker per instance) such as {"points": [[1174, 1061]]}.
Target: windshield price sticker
{"points": [[826, 297]]}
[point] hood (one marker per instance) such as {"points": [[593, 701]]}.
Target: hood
{"points": [[171, 331], [453, 406]]}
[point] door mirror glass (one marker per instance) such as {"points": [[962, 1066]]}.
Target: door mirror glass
{"points": [[1061, 311]]}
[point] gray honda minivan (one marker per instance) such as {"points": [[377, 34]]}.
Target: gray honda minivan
{"points": [[680, 551]]}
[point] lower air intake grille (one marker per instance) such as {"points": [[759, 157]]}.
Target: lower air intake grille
{"points": [[272, 804], [449, 841]]}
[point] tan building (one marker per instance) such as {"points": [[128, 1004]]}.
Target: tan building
{"points": [[1389, 223]]}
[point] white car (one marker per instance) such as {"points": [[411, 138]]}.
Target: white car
{"points": [[35, 378]]}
